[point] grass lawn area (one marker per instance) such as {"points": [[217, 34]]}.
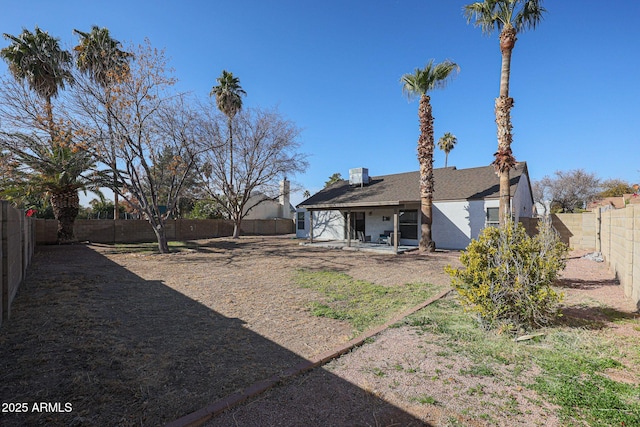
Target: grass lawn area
{"points": [[363, 304], [575, 365], [576, 368]]}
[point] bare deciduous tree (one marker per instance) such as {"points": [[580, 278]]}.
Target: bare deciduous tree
{"points": [[568, 191], [264, 150], [147, 120]]}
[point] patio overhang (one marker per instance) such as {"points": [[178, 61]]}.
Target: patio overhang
{"points": [[348, 208], [352, 206]]}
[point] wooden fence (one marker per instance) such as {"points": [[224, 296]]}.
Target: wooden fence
{"points": [[130, 231], [17, 234]]}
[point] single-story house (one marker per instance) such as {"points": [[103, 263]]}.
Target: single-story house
{"points": [[465, 201]]}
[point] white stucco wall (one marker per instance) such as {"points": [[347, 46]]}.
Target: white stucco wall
{"points": [[455, 223], [267, 209], [374, 224], [327, 225], [522, 203]]}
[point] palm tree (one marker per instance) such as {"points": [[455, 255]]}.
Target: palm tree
{"points": [[37, 59], [418, 84], [446, 144], [58, 170], [509, 17], [98, 55], [228, 95]]}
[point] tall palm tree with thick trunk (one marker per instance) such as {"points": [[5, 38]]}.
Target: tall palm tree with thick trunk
{"points": [[99, 56], [229, 95], [37, 59], [414, 85], [446, 144], [510, 17]]}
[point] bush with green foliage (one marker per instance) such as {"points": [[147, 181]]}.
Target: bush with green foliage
{"points": [[507, 276], [206, 209]]}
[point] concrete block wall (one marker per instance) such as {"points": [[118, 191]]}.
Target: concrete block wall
{"points": [[576, 230], [616, 252], [17, 242], [614, 233], [635, 287]]}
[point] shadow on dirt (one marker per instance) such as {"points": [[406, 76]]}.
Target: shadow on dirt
{"points": [[115, 349], [593, 318], [585, 284]]}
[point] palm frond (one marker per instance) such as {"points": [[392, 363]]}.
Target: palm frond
{"points": [[428, 78], [228, 94], [492, 15]]}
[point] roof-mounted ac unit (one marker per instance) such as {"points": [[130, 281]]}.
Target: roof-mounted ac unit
{"points": [[359, 176]]}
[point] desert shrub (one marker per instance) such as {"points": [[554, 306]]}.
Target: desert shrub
{"points": [[507, 276]]}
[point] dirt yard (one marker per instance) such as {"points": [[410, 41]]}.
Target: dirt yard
{"points": [[105, 338]]}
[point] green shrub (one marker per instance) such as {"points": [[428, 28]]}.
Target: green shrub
{"points": [[507, 276]]}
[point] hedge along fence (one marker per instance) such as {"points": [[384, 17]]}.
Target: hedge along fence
{"points": [[17, 234], [614, 233], [130, 231]]}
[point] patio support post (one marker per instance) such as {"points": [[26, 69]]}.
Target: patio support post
{"points": [[310, 226], [395, 230], [348, 228]]}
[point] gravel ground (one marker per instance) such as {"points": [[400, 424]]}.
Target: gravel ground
{"points": [[143, 339]]}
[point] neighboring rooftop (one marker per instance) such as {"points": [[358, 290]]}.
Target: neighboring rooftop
{"points": [[618, 202], [396, 189]]}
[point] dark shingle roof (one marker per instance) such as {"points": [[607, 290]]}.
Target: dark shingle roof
{"points": [[396, 189]]}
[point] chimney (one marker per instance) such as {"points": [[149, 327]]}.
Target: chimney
{"points": [[284, 198]]}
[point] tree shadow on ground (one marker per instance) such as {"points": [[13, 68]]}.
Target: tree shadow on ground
{"points": [[585, 284], [121, 350], [592, 317], [586, 315]]}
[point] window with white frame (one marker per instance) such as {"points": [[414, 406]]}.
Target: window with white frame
{"points": [[493, 219]]}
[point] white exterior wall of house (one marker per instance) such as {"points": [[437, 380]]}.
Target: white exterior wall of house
{"points": [[327, 225], [522, 203], [377, 223], [267, 209], [455, 223]]}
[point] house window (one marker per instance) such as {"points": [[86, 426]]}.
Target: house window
{"points": [[493, 217], [408, 224], [300, 221]]}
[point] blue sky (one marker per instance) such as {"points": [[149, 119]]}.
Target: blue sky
{"points": [[333, 67]]}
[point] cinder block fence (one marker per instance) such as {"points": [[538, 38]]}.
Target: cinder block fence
{"points": [[17, 237], [614, 233]]}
